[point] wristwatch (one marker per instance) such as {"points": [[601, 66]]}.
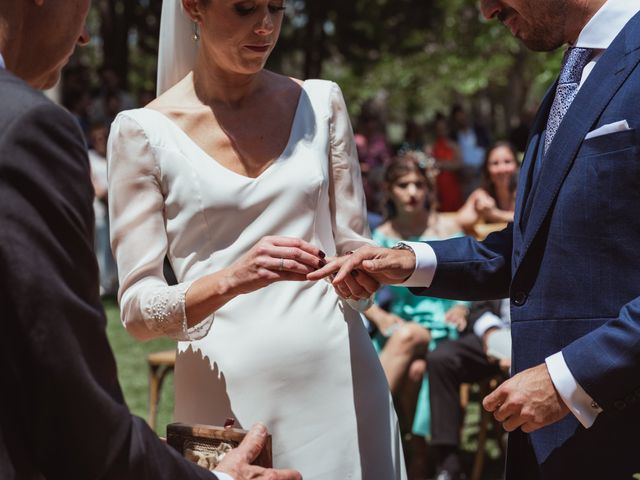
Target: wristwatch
{"points": [[404, 246]]}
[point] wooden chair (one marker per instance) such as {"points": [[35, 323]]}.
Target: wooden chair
{"points": [[160, 364], [486, 419]]}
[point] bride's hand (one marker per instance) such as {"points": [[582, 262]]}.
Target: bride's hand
{"points": [[273, 259], [358, 285]]}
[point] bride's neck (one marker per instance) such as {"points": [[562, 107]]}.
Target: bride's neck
{"points": [[213, 85]]}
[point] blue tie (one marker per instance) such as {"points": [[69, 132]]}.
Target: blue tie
{"points": [[575, 59]]}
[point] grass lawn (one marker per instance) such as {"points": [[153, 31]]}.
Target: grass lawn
{"points": [[133, 375], [131, 357]]}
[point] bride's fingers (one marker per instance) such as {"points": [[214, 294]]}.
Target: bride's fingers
{"points": [[285, 265], [329, 269], [343, 290], [297, 254], [367, 282], [296, 243], [354, 287]]}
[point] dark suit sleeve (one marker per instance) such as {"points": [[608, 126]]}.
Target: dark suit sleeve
{"points": [[62, 392], [606, 361], [471, 270]]}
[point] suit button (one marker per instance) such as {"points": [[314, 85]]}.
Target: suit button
{"points": [[519, 298], [620, 405]]}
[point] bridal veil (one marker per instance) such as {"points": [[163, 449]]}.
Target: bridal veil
{"points": [[177, 48]]}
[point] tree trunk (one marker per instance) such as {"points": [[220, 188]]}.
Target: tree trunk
{"points": [[116, 17], [314, 48]]}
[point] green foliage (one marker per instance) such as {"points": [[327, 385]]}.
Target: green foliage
{"points": [[421, 55], [463, 57]]}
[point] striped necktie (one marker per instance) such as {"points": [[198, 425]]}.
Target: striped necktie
{"points": [[575, 59]]}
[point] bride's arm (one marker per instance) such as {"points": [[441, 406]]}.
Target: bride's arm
{"points": [[346, 193], [149, 307]]}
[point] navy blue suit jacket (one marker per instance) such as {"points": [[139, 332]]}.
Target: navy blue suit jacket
{"points": [[570, 263]]}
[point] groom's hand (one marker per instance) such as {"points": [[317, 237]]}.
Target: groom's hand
{"points": [[385, 265], [237, 462], [527, 400]]}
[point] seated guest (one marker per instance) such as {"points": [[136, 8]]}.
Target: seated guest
{"points": [[412, 324], [62, 412], [494, 201], [453, 363], [448, 159]]}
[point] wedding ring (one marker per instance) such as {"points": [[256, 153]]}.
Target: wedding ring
{"points": [[281, 264]]}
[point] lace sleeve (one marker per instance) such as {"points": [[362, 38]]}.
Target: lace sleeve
{"points": [[148, 306]]}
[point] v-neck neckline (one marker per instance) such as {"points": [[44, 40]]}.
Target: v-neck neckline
{"points": [[288, 146]]}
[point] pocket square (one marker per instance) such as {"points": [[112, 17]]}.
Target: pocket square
{"points": [[620, 126]]}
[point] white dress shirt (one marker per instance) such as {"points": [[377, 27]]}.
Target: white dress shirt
{"points": [[598, 34]]}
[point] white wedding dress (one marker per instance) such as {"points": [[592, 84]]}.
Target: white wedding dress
{"points": [[291, 355]]}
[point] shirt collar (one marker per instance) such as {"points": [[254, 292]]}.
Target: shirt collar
{"points": [[1, 62], [606, 24]]}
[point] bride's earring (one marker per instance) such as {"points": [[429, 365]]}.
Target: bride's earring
{"points": [[196, 32]]}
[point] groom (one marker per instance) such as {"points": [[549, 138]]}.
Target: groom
{"points": [[62, 414], [570, 261]]}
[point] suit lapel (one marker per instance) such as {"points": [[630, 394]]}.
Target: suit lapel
{"points": [[606, 79], [526, 171]]}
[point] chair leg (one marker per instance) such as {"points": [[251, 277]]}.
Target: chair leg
{"points": [[485, 419], [478, 462], [154, 389]]}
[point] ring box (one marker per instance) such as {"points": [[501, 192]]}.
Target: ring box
{"points": [[207, 444]]}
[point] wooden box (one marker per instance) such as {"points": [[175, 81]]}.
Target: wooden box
{"points": [[203, 444]]}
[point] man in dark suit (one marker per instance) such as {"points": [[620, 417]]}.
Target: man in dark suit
{"points": [[62, 414], [569, 262]]}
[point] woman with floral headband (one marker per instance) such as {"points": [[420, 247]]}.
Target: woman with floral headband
{"points": [[409, 325]]}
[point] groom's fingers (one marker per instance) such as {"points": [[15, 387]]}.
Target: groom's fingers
{"points": [[328, 269], [354, 261]]}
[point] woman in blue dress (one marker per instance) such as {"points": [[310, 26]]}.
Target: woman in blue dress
{"points": [[408, 325]]}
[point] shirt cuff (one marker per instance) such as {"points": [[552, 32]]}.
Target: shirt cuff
{"points": [[573, 395], [486, 321], [223, 476], [426, 264]]}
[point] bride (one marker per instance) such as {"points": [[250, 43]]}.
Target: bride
{"points": [[244, 179]]}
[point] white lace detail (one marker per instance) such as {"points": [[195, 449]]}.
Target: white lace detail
{"points": [[165, 313]]}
